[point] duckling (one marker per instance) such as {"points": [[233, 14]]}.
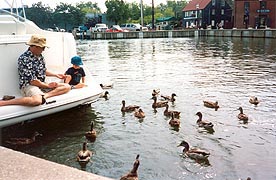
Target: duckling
{"points": [[195, 153], [84, 155], [132, 175], [128, 108], [254, 100], [203, 123], [174, 122], [105, 95], [155, 92], [242, 116], [169, 113], [158, 104], [92, 134], [210, 104], [23, 141], [139, 113], [106, 86], [169, 98]]}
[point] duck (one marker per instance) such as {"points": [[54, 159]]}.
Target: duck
{"points": [[155, 92], [203, 123], [194, 153], [158, 104], [23, 140], [210, 104], [92, 134], [84, 155], [132, 175], [105, 95], [106, 86], [139, 113], [174, 122], [254, 100], [129, 108], [241, 115], [169, 98], [169, 113]]}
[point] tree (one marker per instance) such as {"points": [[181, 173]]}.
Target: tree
{"points": [[40, 14], [117, 11]]}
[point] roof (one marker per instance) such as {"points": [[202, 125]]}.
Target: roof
{"points": [[170, 18], [196, 4]]}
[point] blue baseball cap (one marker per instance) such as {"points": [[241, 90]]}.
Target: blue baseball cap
{"points": [[76, 60]]}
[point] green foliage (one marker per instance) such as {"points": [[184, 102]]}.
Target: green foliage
{"points": [[117, 11]]}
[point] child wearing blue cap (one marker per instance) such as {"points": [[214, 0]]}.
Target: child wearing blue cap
{"points": [[75, 75]]}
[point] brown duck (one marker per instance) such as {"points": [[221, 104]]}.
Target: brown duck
{"points": [[194, 153], [84, 155], [169, 98], [254, 100], [132, 175], [129, 108], [159, 104], [241, 115], [169, 113], [174, 122], [139, 113], [203, 123], [92, 134], [23, 140], [211, 104]]}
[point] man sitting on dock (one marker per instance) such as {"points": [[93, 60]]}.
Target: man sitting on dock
{"points": [[32, 73]]}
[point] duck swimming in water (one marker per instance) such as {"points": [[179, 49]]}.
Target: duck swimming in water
{"points": [[210, 104], [174, 122], [159, 104], [155, 92], [169, 113], [129, 108], [203, 123], [241, 115], [139, 113], [254, 100], [132, 175], [169, 98], [23, 140], [194, 153], [84, 155], [105, 95], [92, 134]]}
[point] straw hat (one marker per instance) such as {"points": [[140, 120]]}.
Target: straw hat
{"points": [[37, 40]]}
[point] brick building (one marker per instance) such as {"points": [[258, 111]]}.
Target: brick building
{"points": [[255, 13]]}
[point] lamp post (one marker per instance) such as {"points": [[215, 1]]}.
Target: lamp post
{"points": [[152, 14], [142, 18], [197, 15]]}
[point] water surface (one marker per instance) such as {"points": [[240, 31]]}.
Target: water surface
{"points": [[227, 70]]}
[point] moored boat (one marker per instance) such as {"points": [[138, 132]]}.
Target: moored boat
{"points": [[15, 31]]}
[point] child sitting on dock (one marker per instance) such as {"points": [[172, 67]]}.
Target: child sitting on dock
{"points": [[75, 75]]}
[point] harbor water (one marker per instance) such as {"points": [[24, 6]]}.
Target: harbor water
{"points": [[227, 70]]}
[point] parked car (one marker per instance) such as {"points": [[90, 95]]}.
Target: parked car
{"points": [[131, 27], [116, 28], [99, 28]]}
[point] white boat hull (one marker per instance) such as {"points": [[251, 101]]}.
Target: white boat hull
{"points": [[13, 37]]}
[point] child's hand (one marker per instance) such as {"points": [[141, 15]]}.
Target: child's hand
{"points": [[61, 76]]}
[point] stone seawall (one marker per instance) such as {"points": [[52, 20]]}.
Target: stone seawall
{"points": [[247, 33]]}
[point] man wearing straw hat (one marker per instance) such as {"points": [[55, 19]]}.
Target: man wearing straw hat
{"points": [[32, 73]]}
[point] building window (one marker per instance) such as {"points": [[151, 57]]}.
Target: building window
{"points": [[222, 3], [213, 2], [246, 8], [222, 11], [213, 11], [263, 4]]}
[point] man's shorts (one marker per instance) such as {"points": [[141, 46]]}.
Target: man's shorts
{"points": [[30, 90]]}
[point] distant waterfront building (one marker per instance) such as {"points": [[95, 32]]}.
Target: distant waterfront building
{"points": [[255, 14], [207, 13]]}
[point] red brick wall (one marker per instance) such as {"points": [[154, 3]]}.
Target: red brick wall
{"points": [[253, 14]]}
